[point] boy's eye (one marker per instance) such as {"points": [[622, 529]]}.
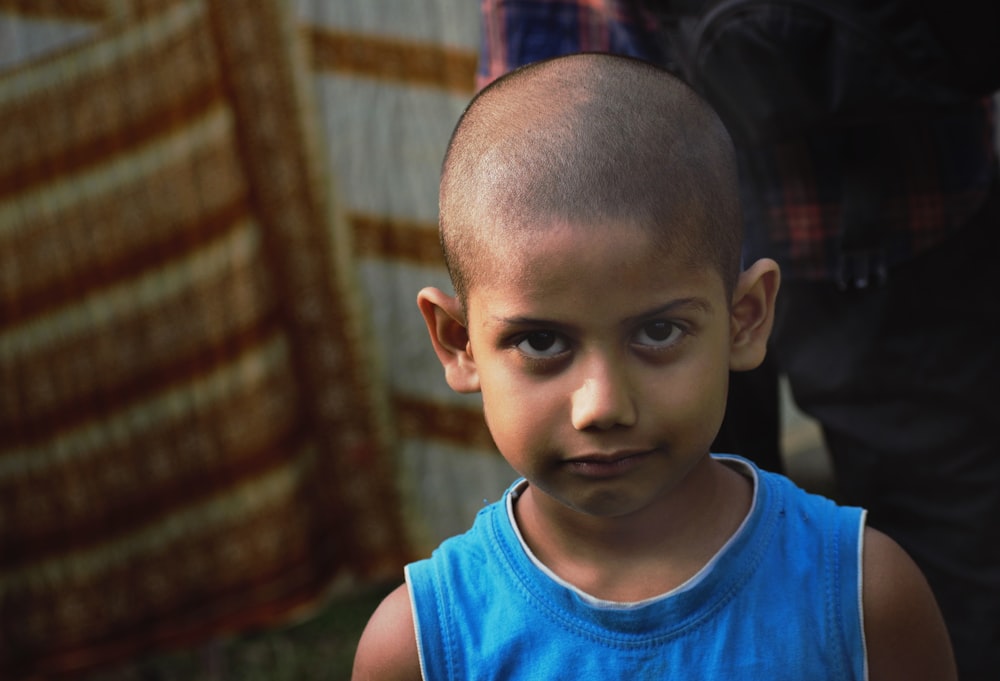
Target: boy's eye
{"points": [[542, 344], [659, 334]]}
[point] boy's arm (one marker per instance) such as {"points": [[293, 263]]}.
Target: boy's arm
{"points": [[388, 647], [904, 632]]}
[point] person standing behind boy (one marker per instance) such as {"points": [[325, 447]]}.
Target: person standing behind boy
{"points": [[887, 234], [591, 225]]}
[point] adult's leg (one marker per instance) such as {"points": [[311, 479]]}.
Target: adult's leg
{"points": [[905, 379]]}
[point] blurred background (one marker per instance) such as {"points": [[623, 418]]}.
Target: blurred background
{"points": [[222, 429]]}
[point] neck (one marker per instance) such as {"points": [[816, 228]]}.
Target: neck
{"points": [[643, 554]]}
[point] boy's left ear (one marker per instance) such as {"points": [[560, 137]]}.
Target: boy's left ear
{"points": [[752, 314]]}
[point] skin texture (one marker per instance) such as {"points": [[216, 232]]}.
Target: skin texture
{"points": [[602, 352], [594, 140]]}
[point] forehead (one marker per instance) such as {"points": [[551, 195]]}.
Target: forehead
{"points": [[572, 266]]}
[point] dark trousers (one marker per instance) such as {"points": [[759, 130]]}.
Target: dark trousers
{"points": [[904, 379]]}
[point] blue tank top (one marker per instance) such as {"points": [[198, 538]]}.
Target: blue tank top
{"points": [[781, 600]]}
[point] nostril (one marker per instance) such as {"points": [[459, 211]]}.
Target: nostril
{"points": [[602, 405]]}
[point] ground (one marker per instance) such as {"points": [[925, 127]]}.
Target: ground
{"points": [[320, 649]]}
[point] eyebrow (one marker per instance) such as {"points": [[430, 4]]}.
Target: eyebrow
{"points": [[696, 303]]}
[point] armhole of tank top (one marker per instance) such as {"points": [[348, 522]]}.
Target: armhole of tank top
{"points": [[416, 622], [862, 522]]}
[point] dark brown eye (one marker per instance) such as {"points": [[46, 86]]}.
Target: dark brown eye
{"points": [[541, 341], [659, 334], [659, 331], [541, 344]]}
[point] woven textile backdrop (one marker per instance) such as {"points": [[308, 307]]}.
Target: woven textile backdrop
{"points": [[218, 404], [391, 79]]}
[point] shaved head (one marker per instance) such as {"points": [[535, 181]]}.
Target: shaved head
{"points": [[589, 139]]}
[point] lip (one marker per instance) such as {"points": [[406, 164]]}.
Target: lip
{"points": [[607, 465]]}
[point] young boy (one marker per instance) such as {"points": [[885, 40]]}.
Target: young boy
{"points": [[591, 226]]}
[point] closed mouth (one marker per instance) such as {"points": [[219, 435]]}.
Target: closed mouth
{"points": [[603, 465], [604, 459]]}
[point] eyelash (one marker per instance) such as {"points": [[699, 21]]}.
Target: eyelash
{"points": [[672, 327], [556, 338]]}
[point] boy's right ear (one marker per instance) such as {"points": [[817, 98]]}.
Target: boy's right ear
{"points": [[447, 327]]}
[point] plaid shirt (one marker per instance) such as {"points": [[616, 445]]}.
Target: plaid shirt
{"points": [[931, 175]]}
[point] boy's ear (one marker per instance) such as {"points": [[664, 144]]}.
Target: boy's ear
{"points": [[752, 314], [447, 326]]}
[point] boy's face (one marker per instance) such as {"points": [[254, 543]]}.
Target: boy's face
{"points": [[603, 365]]}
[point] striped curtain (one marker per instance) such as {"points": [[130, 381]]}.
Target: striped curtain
{"points": [[391, 78], [217, 401]]}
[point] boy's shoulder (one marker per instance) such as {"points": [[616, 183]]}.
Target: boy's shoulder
{"points": [[905, 634], [388, 647]]}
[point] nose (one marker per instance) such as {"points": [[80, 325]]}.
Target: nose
{"points": [[605, 398]]}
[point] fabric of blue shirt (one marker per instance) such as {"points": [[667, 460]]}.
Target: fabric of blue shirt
{"points": [[781, 600]]}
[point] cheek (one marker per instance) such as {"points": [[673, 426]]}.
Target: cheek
{"points": [[714, 401], [519, 412], [515, 402], [696, 397], [515, 431]]}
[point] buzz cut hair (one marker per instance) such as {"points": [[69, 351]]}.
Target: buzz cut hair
{"points": [[591, 139]]}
